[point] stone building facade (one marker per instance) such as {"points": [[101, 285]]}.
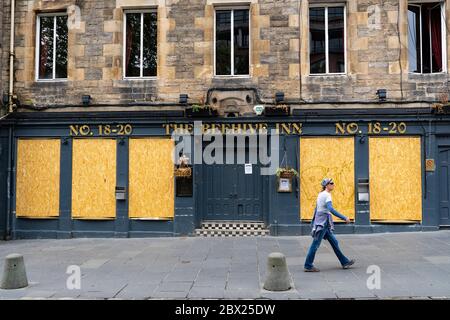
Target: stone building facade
{"points": [[3, 49], [376, 55]]}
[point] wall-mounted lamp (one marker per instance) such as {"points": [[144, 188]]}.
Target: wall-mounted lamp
{"points": [[279, 97], [86, 99], [183, 98], [362, 138], [382, 94], [5, 99]]}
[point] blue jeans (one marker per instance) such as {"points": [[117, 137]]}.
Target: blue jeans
{"points": [[326, 234]]}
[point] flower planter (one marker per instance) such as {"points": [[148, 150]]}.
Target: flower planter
{"points": [[183, 186], [183, 172], [287, 174], [441, 109], [277, 111], [201, 112]]}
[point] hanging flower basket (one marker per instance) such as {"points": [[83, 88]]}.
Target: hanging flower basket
{"points": [[286, 173], [183, 172], [441, 108]]}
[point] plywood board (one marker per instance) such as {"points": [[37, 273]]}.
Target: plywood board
{"points": [[94, 179], [38, 178], [151, 178], [395, 178], [332, 158]]}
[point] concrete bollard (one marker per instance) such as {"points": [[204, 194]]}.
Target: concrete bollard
{"points": [[277, 278], [14, 274]]}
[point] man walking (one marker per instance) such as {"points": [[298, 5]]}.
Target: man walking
{"points": [[323, 227]]}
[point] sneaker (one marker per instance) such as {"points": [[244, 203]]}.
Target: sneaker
{"points": [[313, 269], [349, 264]]}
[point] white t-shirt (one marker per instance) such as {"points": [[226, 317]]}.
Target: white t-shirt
{"points": [[322, 200]]}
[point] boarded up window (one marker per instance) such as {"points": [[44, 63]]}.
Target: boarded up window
{"points": [[395, 179], [94, 179], [327, 157], [151, 178], [38, 176]]}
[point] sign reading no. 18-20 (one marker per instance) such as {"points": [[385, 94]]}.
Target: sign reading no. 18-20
{"points": [[101, 130], [372, 128]]}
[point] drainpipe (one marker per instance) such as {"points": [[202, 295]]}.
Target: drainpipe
{"points": [[8, 186], [10, 109], [11, 59]]}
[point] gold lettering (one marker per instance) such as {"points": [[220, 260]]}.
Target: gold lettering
{"points": [[74, 130], [352, 127], [188, 127], [167, 127], [224, 128], [214, 128], [286, 128], [205, 127], [252, 128], [340, 128], [262, 127], [236, 127], [84, 130], [297, 128]]}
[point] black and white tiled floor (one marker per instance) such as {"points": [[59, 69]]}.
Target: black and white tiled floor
{"points": [[232, 229]]}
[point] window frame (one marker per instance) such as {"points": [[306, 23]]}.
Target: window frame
{"points": [[327, 67], [443, 38], [38, 46], [232, 9], [141, 42]]}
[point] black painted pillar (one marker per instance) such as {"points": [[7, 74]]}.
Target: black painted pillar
{"points": [[430, 183], [121, 224], [362, 209], [185, 207], [65, 190]]}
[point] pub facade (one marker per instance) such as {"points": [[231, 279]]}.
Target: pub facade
{"points": [[139, 118]]}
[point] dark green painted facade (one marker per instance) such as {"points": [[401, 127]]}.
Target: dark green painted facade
{"points": [[280, 211]]}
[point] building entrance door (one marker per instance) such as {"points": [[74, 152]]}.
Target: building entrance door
{"points": [[444, 189], [233, 191]]}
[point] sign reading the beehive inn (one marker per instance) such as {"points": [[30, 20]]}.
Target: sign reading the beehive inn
{"points": [[285, 128], [288, 128]]}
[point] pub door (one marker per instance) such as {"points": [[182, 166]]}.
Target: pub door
{"points": [[233, 192], [444, 186]]}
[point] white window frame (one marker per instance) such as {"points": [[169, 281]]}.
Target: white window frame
{"points": [[232, 9], [443, 38], [141, 44], [327, 68], [38, 46]]}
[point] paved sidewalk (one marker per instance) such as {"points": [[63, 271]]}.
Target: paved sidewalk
{"points": [[412, 265]]}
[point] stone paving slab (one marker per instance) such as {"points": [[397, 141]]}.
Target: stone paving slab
{"points": [[412, 265]]}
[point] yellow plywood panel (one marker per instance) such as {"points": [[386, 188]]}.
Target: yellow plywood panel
{"points": [[94, 179], [395, 179], [332, 158], [151, 178], [38, 173]]}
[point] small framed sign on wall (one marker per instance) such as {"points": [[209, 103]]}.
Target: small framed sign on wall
{"points": [[284, 184]]}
